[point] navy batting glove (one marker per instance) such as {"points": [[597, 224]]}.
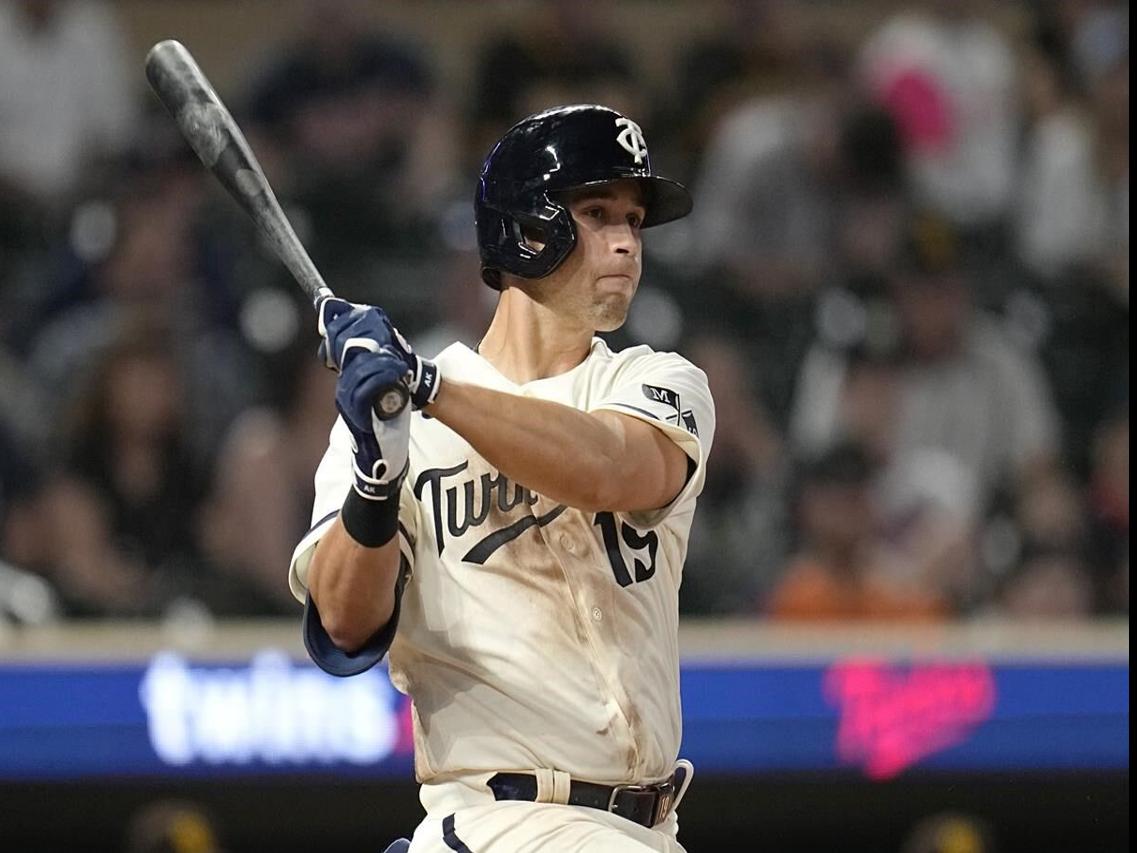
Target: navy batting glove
{"points": [[379, 448], [347, 328], [422, 378], [357, 344]]}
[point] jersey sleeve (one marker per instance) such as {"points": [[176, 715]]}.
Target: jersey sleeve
{"points": [[333, 481], [672, 395]]}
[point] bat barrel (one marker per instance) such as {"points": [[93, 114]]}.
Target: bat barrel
{"points": [[185, 91], [206, 124]]}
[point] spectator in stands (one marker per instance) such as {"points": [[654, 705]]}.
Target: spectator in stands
{"points": [[738, 542], [554, 43], [155, 264], [360, 121], [747, 55], [972, 411], [65, 98], [787, 181], [120, 517], [1060, 217], [127, 496], [949, 78], [269, 450], [66, 106], [841, 568], [766, 191]]}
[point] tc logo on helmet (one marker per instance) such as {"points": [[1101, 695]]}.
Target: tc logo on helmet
{"points": [[631, 139]]}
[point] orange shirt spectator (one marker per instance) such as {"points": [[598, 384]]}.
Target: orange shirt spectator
{"points": [[839, 571], [812, 590]]}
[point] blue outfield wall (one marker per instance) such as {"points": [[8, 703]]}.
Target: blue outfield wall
{"points": [[268, 714]]}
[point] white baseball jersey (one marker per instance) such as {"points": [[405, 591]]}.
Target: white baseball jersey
{"points": [[535, 635]]}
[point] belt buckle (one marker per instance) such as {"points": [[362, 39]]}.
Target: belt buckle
{"points": [[662, 794]]}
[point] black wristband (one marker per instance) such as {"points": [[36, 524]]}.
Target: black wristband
{"points": [[370, 523]]}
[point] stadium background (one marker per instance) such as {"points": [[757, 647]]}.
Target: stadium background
{"points": [[867, 175]]}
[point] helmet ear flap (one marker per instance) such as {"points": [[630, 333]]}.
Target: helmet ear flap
{"points": [[528, 243]]}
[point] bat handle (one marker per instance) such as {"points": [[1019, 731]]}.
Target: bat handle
{"points": [[391, 402]]}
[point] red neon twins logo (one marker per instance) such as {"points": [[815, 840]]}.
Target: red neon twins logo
{"points": [[893, 716]]}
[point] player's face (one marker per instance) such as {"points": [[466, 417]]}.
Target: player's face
{"points": [[599, 277]]}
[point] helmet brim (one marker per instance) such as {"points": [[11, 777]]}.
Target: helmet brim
{"points": [[669, 200], [665, 200]]}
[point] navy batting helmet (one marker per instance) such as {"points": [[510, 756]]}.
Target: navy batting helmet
{"points": [[544, 155]]}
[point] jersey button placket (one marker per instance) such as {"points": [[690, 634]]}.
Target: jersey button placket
{"points": [[597, 614]]}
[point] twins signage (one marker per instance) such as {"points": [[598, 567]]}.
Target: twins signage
{"points": [[270, 714], [890, 718]]}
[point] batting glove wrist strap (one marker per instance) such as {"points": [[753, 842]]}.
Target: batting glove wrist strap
{"points": [[422, 376], [423, 381], [371, 480], [370, 522]]}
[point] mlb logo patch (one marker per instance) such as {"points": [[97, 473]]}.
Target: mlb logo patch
{"points": [[658, 394]]}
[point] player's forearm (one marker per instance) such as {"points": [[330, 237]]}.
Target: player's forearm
{"points": [[564, 454], [353, 586]]}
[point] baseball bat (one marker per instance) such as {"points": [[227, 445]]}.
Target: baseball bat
{"points": [[211, 131]]}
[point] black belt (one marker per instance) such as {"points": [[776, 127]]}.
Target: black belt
{"points": [[646, 805]]}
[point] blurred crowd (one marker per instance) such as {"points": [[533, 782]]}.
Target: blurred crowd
{"points": [[906, 276]]}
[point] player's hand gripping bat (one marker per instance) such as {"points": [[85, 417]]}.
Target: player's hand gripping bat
{"points": [[211, 131]]}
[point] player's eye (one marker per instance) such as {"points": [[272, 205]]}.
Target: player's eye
{"points": [[594, 212], [635, 220]]}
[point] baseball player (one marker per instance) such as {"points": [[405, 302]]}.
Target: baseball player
{"points": [[517, 542]]}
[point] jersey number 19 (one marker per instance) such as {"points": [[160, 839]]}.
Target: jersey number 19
{"points": [[636, 542]]}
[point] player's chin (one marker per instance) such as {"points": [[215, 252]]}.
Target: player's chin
{"points": [[612, 300], [611, 312]]}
